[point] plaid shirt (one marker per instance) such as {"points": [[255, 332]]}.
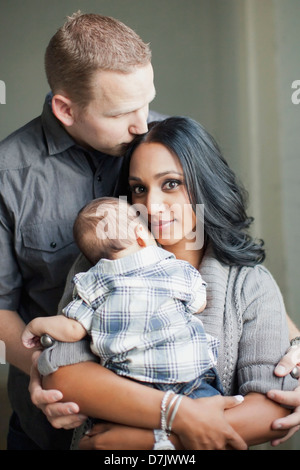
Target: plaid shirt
{"points": [[139, 311]]}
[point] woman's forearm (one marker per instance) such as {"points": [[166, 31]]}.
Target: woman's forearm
{"points": [[103, 394], [253, 419]]}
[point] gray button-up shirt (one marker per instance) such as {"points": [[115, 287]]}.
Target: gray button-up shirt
{"points": [[45, 179]]}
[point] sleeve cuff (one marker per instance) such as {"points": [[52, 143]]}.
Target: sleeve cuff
{"points": [[64, 354], [261, 379]]}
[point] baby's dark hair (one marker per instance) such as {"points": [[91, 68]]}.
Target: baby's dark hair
{"points": [[104, 227]]}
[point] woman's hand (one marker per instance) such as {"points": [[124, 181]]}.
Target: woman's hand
{"points": [[290, 399], [201, 424], [59, 414]]}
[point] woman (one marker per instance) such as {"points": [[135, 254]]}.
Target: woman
{"points": [[173, 169]]}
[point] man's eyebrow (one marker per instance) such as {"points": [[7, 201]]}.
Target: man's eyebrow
{"points": [[119, 112]]}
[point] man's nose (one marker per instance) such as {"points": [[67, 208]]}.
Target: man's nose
{"points": [[139, 124]]}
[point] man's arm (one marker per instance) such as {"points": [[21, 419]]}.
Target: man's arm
{"points": [[11, 328]]}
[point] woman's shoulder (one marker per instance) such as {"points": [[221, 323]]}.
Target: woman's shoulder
{"points": [[257, 285], [256, 276]]}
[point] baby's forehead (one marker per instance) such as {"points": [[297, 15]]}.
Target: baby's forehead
{"points": [[118, 213], [114, 208]]}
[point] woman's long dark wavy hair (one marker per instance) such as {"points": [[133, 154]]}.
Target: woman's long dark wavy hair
{"points": [[211, 182]]}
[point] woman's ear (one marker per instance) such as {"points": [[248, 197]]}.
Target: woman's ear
{"points": [[62, 108]]}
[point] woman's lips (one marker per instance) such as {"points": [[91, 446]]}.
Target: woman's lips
{"points": [[160, 223]]}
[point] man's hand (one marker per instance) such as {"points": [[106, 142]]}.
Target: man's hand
{"points": [[110, 436], [289, 361], [289, 399], [291, 422], [59, 414]]}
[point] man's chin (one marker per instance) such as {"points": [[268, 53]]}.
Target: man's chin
{"points": [[121, 150], [112, 152], [118, 151]]}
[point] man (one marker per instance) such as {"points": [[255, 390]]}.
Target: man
{"points": [[101, 79]]}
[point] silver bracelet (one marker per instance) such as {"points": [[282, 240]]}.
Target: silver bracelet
{"points": [[174, 399], [161, 436], [163, 418], [175, 409]]}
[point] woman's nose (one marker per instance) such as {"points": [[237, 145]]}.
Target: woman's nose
{"points": [[157, 208], [155, 203]]}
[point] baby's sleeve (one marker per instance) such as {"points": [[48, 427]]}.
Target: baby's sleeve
{"points": [[197, 299], [80, 311]]}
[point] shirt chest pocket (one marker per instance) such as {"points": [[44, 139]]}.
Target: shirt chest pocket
{"points": [[49, 236], [47, 253], [47, 241]]}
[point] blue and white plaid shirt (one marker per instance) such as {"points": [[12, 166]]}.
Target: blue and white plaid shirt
{"points": [[139, 311]]}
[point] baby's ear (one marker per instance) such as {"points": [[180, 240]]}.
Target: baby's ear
{"points": [[142, 235]]}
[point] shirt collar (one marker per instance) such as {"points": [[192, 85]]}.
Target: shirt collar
{"points": [[58, 140], [133, 262]]}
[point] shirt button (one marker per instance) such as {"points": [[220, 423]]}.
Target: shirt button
{"points": [[99, 178], [53, 244]]}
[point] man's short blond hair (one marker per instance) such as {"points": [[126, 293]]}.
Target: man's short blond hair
{"points": [[87, 43], [105, 227]]}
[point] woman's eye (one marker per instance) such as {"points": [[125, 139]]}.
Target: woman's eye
{"points": [[137, 189], [173, 184]]}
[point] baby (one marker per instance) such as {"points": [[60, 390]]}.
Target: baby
{"points": [[137, 303]]}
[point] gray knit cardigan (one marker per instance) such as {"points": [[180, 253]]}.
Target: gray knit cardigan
{"points": [[245, 310]]}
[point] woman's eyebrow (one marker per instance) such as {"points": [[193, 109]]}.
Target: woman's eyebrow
{"points": [[171, 172], [134, 178], [158, 175]]}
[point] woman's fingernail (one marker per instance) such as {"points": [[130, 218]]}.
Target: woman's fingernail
{"points": [[239, 398]]}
